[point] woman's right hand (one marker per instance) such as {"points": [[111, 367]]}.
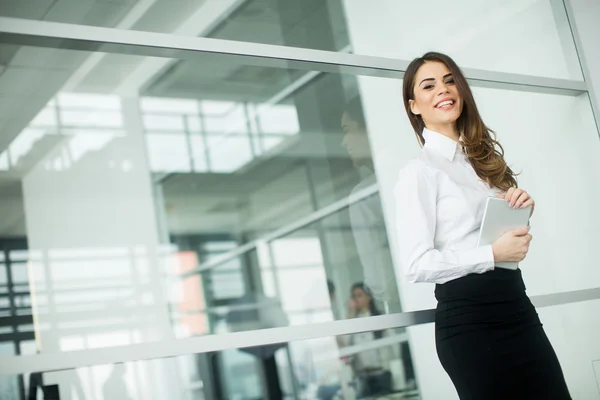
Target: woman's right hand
{"points": [[512, 246]]}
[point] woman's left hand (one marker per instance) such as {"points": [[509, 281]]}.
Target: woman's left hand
{"points": [[518, 198]]}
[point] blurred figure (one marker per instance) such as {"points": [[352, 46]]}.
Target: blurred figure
{"points": [[366, 216], [368, 224], [114, 387], [370, 366]]}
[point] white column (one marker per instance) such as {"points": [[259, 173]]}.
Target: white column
{"points": [[91, 214]]}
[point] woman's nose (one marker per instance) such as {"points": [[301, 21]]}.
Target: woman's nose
{"points": [[443, 89]]}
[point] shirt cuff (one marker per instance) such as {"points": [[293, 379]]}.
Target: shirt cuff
{"points": [[487, 255], [481, 258]]}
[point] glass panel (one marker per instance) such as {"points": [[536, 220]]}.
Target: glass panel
{"points": [[113, 224], [474, 33], [366, 365], [113, 232]]}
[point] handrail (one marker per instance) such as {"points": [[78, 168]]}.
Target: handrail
{"points": [[57, 361]]}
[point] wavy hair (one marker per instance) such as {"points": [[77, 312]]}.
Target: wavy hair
{"points": [[484, 152]]}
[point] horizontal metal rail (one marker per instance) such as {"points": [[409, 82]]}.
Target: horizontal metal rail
{"points": [[45, 362], [110, 40]]}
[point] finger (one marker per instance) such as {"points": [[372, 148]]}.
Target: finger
{"points": [[514, 196], [501, 195], [526, 238], [528, 203], [521, 199], [508, 194], [521, 231]]}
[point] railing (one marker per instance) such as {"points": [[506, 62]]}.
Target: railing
{"points": [[172, 348]]}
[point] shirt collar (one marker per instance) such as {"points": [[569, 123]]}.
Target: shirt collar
{"points": [[440, 143]]}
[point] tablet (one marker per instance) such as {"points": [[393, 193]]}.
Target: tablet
{"points": [[498, 219]]}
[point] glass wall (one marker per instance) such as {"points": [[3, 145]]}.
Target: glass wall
{"points": [[355, 366], [493, 37], [144, 187], [155, 199], [197, 205]]}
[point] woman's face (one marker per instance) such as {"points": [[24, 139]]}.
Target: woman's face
{"points": [[436, 97], [361, 298], [355, 140]]}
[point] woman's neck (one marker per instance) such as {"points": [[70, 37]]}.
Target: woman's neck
{"points": [[448, 130]]}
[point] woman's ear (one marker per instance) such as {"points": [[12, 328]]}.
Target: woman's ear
{"points": [[413, 107]]}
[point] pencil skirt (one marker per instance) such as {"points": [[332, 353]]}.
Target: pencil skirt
{"points": [[490, 340]]}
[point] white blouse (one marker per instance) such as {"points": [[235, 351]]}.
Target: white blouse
{"points": [[440, 203]]}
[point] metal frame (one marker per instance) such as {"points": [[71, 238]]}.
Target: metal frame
{"points": [[89, 38], [594, 100]]}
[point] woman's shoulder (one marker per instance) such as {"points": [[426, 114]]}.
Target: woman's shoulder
{"points": [[415, 168], [416, 173]]}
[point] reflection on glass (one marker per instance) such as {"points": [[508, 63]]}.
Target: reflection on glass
{"points": [[137, 206], [326, 368], [535, 29]]}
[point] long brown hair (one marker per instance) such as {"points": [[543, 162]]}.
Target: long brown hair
{"points": [[485, 153]]}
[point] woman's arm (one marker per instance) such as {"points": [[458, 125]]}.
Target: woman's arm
{"points": [[416, 194]]}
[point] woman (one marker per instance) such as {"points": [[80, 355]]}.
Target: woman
{"points": [[489, 338], [370, 366]]}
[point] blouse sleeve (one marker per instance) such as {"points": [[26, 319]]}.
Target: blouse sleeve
{"points": [[416, 198]]}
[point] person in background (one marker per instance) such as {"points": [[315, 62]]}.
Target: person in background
{"points": [[371, 367]]}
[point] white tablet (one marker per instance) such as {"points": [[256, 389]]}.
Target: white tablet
{"points": [[498, 219]]}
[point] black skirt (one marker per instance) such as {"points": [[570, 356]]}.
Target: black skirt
{"points": [[490, 340]]}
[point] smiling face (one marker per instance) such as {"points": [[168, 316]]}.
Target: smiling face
{"points": [[436, 97]]}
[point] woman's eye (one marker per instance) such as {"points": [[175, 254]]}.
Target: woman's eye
{"points": [[450, 82], [427, 87]]}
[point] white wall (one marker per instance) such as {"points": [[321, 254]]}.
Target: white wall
{"points": [[551, 138], [495, 36]]}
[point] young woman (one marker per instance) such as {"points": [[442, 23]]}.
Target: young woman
{"points": [[489, 338]]}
